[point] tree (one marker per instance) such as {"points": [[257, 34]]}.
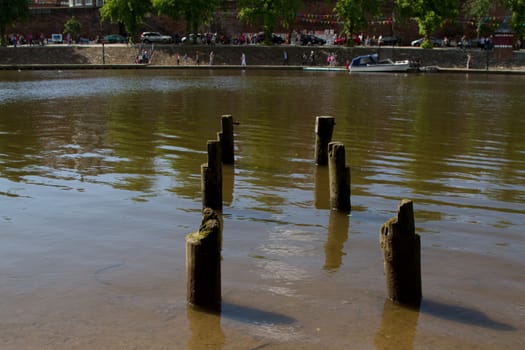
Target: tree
{"points": [[72, 26], [10, 12], [429, 14], [355, 14], [517, 7], [478, 10], [269, 13], [194, 12], [131, 13]]}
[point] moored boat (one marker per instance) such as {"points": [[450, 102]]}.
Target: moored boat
{"points": [[371, 63]]}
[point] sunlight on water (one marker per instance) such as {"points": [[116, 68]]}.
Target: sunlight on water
{"points": [[100, 183]]}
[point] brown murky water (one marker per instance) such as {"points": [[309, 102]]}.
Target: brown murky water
{"points": [[100, 183]]}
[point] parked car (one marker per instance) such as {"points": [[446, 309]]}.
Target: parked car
{"points": [[340, 40], [310, 39], [193, 39], [155, 37], [436, 42], [114, 38], [276, 39], [390, 41]]}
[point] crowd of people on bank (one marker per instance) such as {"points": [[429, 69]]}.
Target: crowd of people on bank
{"points": [[295, 38]]}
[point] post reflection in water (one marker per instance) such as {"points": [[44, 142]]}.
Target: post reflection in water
{"points": [[398, 327], [205, 328], [337, 236], [102, 168]]}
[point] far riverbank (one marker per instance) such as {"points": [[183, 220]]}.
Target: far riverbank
{"points": [[171, 55]]}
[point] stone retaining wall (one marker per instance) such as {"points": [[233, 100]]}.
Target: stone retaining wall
{"points": [[255, 55]]}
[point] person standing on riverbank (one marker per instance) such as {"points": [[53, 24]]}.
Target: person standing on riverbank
{"points": [[243, 60]]}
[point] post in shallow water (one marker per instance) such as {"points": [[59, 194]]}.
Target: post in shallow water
{"points": [[401, 248], [203, 263], [324, 128]]}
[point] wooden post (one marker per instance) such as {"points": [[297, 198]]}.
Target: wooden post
{"points": [[322, 188], [211, 177], [226, 138], [203, 262], [401, 248], [324, 128], [339, 177]]}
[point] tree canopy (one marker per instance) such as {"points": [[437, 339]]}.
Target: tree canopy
{"points": [[72, 27], [269, 13], [355, 14], [130, 13], [10, 12], [194, 12], [517, 8], [478, 10], [428, 14]]}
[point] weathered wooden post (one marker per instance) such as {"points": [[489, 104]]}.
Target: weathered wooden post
{"points": [[324, 128], [339, 177], [226, 138], [203, 262], [401, 248], [211, 177], [322, 188]]}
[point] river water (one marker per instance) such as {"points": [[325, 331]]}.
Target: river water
{"points": [[100, 184]]}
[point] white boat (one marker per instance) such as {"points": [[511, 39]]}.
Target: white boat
{"points": [[325, 69], [371, 63]]}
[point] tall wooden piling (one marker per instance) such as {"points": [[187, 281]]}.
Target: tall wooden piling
{"points": [[203, 263], [211, 177], [226, 139], [324, 128], [339, 177], [401, 248]]}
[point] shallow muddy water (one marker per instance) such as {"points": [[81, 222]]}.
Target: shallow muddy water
{"points": [[100, 183]]}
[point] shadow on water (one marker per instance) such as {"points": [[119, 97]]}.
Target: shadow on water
{"points": [[462, 315], [205, 325], [252, 315], [399, 322]]}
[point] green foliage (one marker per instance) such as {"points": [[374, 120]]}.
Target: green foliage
{"points": [[72, 26], [355, 13], [194, 12], [478, 10], [269, 13], [131, 13], [10, 12], [426, 44], [517, 20], [429, 14]]}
